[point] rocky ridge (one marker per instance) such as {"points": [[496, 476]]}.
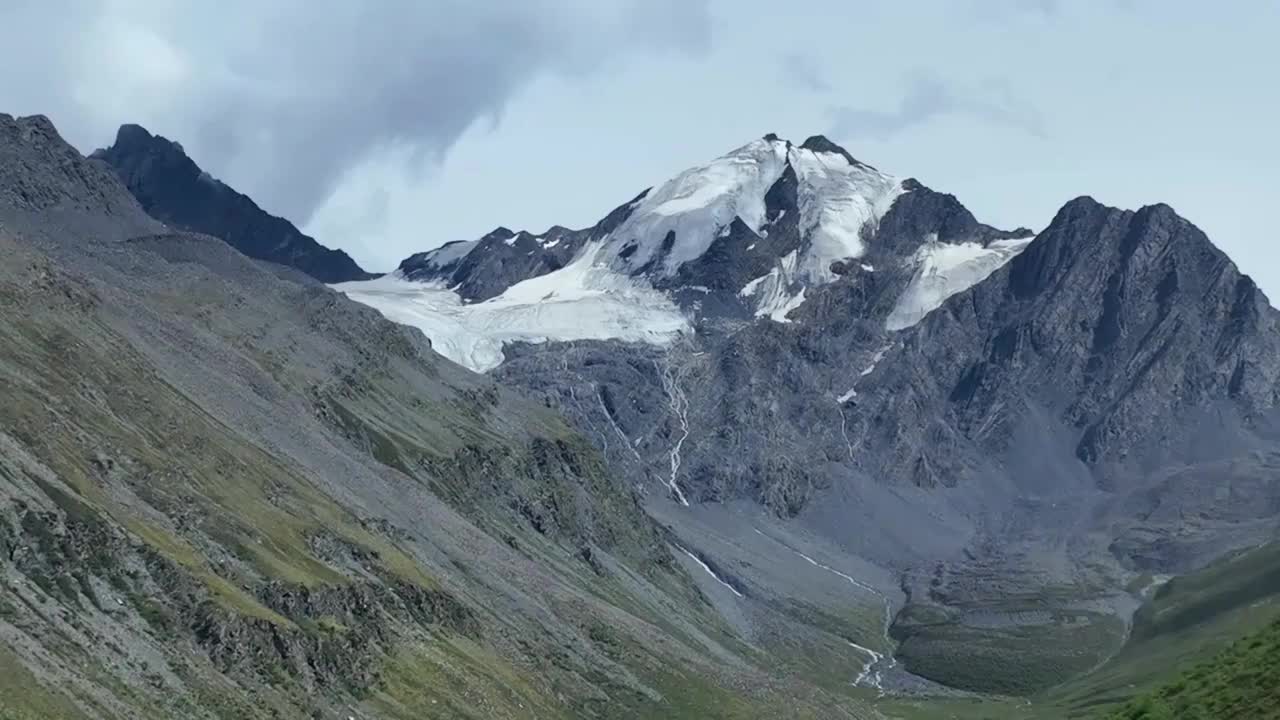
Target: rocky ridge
{"points": [[173, 189]]}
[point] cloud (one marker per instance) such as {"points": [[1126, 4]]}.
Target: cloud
{"points": [[998, 9], [803, 72], [1044, 9], [283, 98], [928, 98]]}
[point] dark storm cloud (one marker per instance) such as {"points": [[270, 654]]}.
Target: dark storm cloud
{"points": [[927, 98], [282, 98]]}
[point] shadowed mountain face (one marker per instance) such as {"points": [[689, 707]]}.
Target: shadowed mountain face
{"points": [[174, 190]]}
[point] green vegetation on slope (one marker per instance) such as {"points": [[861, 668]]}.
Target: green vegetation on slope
{"points": [[170, 560], [1167, 662], [1242, 682], [1017, 659], [456, 678], [22, 697], [1187, 621]]}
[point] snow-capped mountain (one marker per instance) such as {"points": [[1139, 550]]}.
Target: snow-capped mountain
{"points": [[810, 371], [749, 235], [993, 416]]}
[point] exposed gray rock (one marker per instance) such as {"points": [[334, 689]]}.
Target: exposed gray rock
{"points": [[47, 188], [173, 189], [1070, 414]]}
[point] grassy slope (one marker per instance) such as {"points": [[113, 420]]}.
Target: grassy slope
{"points": [[120, 447], [22, 697], [1017, 660], [1241, 682], [1188, 621]]}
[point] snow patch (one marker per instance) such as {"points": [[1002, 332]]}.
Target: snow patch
{"points": [[944, 269], [709, 571], [698, 203], [875, 362], [449, 253], [750, 288], [775, 292], [779, 312], [837, 200], [584, 300], [599, 296]]}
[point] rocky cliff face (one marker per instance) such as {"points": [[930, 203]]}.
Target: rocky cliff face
{"points": [[174, 190]]}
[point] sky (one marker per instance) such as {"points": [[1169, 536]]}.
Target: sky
{"points": [[392, 127]]}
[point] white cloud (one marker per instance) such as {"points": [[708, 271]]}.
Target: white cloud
{"points": [[927, 97], [283, 98]]}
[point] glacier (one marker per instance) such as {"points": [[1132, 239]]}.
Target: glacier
{"points": [[697, 205], [585, 300], [838, 199], [944, 269], [607, 290]]}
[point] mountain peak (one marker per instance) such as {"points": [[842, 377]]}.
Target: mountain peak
{"points": [[132, 138], [820, 143], [38, 122], [175, 190], [34, 130], [40, 172], [136, 141], [132, 134]]}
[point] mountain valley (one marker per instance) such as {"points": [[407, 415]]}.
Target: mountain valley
{"points": [[784, 436]]}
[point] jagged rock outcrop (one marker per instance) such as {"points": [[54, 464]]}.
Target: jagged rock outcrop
{"points": [[1129, 328], [482, 269], [47, 189], [173, 189]]}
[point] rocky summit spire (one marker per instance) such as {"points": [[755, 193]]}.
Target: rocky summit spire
{"points": [[820, 143], [174, 190]]}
